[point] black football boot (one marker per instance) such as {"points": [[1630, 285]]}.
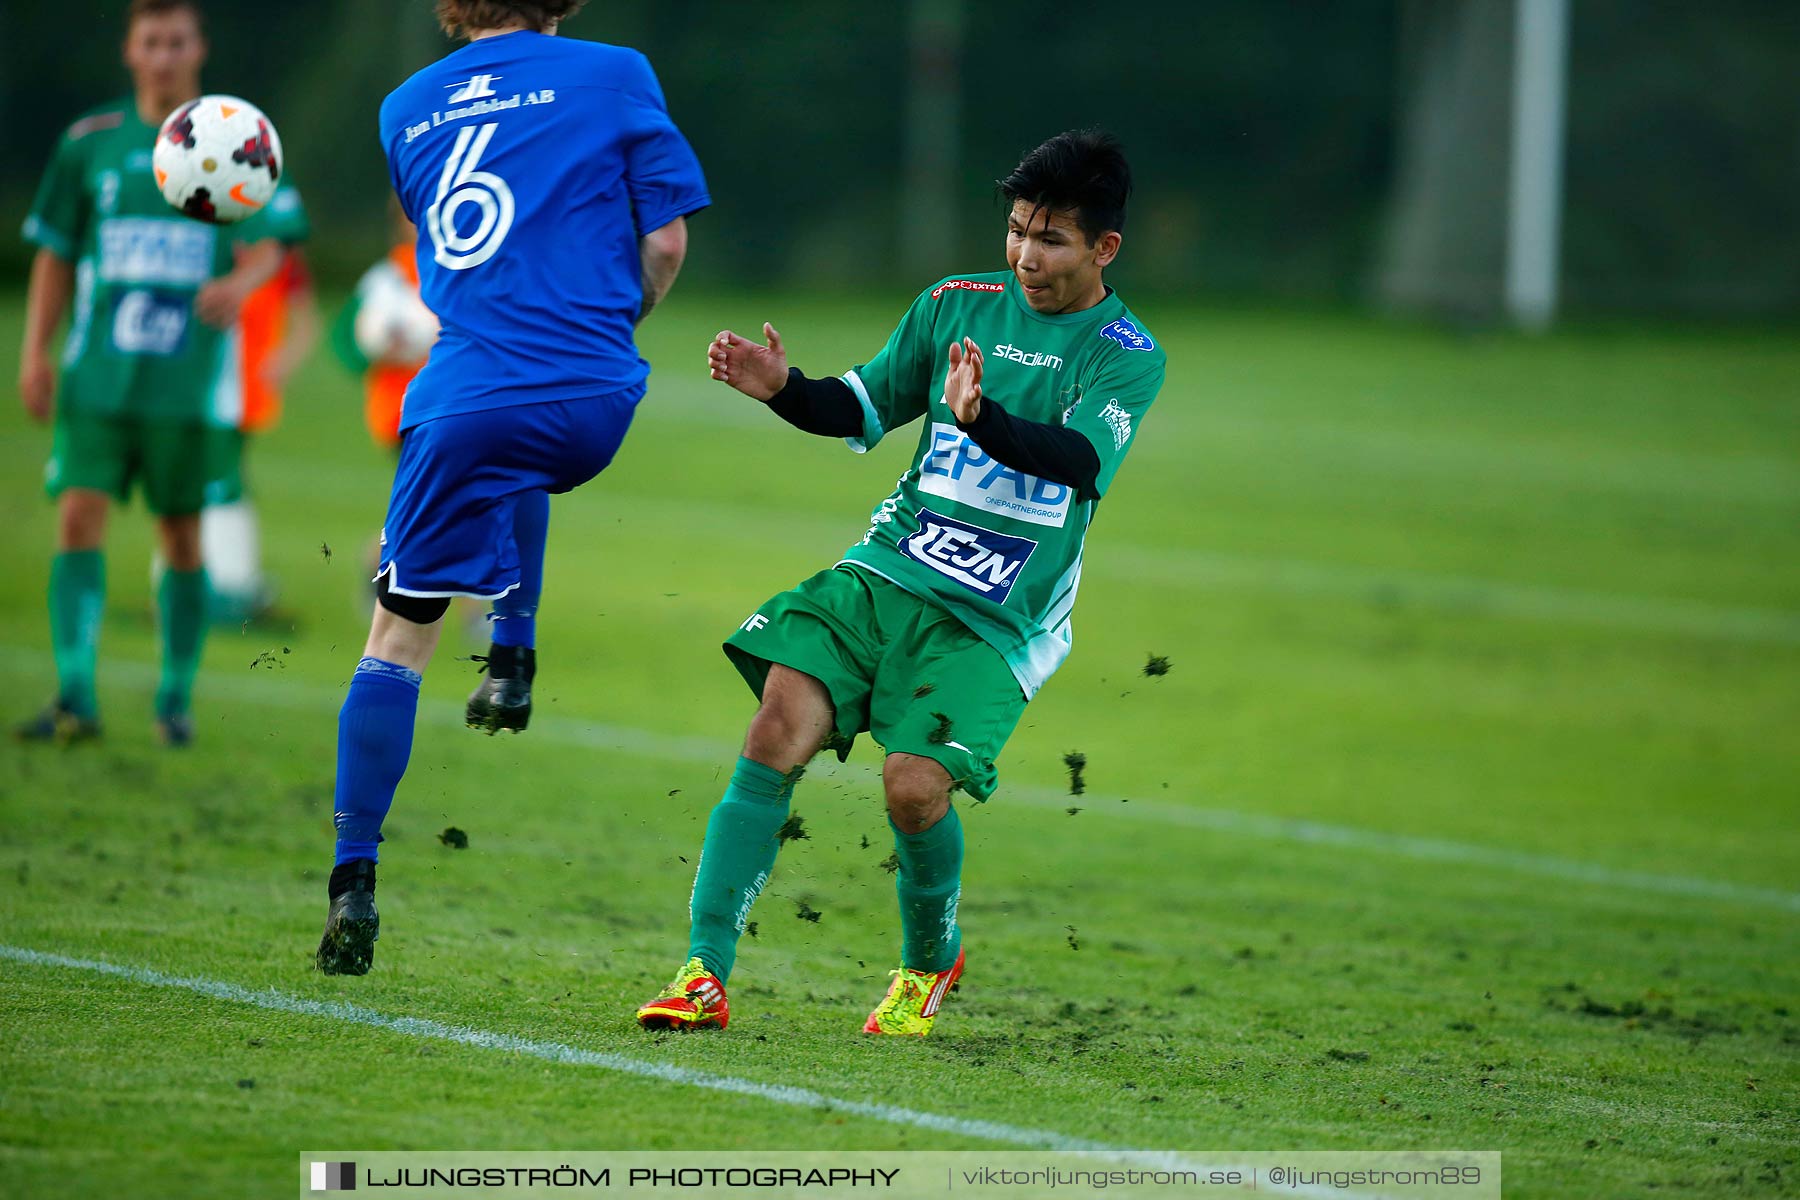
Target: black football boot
{"points": [[176, 730], [351, 925], [57, 724], [503, 699]]}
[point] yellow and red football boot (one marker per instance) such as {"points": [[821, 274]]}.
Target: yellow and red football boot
{"points": [[694, 1000], [911, 1004]]}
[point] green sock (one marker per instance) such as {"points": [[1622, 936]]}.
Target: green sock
{"points": [[930, 883], [77, 597], [735, 862], [181, 605]]}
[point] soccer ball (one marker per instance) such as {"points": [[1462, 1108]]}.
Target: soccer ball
{"points": [[393, 326], [217, 159]]}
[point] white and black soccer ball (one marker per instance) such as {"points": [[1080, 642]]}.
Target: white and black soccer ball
{"points": [[217, 159]]}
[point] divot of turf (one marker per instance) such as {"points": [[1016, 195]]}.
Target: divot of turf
{"points": [[1076, 761]]}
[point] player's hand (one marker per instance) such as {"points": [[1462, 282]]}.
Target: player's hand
{"points": [[962, 386], [395, 352], [219, 300], [37, 386], [281, 367], [757, 371]]}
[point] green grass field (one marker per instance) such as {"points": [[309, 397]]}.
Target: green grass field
{"points": [[1466, 817]]}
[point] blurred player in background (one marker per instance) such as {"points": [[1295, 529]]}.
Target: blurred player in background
{"points": [[151, 293], [385, 332], [276, 330], [553, 190], [937, 628]]}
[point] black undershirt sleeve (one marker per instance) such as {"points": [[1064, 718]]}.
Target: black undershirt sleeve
{"points": [[1047, 451], [829, 408], [826, 407]]}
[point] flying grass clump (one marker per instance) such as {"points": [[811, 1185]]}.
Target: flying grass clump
{"points": [[1076, 761]]}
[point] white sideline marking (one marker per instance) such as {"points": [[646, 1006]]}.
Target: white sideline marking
{"points": [[664, 747], [561, 1052]]}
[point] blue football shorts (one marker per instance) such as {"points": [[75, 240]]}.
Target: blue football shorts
{"points": [[449, 529]]}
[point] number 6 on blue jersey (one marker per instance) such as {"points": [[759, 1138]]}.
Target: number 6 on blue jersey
{"points": [[462, 184]]}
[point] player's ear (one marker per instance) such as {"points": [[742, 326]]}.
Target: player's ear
{"points": [[1106, 247]]}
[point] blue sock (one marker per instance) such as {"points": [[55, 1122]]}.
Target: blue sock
{"points": [[515, 614], [375, 733]]}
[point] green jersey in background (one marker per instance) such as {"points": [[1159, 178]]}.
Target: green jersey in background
{"points": [[135, 346], [997, 548]]}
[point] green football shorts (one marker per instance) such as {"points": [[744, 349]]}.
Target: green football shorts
{"points": [[224, 464], [109, 453], [901, 668]]}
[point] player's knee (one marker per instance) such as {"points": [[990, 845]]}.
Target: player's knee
{"points": [[918, 791], [793, 720], [81, 520], [181, 542], [780, 733], [420, 610]]}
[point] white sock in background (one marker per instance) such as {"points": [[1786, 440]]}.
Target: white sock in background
{"points": [[231, 545]]}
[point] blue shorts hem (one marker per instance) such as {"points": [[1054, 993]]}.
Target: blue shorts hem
{"points": [[387, 568]]}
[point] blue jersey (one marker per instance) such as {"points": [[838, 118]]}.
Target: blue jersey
{"points": [[532, 165]]}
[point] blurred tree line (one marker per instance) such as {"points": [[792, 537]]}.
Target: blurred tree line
{"points": [[1266, 137]]}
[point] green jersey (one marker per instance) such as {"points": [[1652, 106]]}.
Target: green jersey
{"points": [[135, 345], [997, 548]]}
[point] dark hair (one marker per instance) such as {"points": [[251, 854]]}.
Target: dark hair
{"points": [[1082, 171], [466, 16], [156, 8], [470, 15]]}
